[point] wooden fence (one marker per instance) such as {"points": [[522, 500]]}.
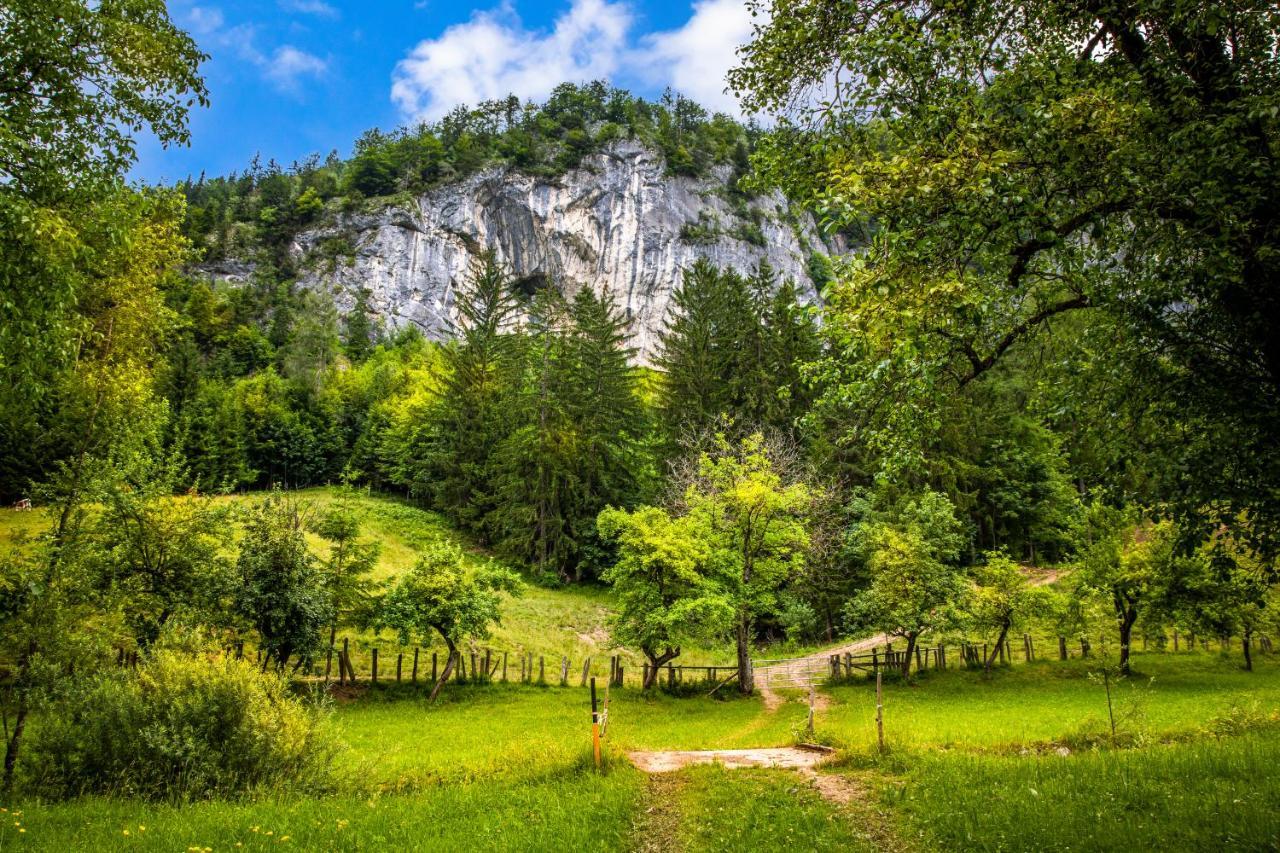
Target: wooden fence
{"points": [[486, 665]]}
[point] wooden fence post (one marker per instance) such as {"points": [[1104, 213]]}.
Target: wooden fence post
{"points": [[586, 670], [434, 661], [415, 664], [542, 670], [879, 710], [399, 664], [504, 667], [345, 661], [1062, 648], [564, 672], [375, 664], [671, 677]]}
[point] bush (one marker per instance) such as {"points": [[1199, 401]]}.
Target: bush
{"points": [[179, 727]]}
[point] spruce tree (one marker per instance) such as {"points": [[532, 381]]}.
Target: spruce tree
{"points": [[603, 402], [536, 459], [471, 417], [696, 357]]}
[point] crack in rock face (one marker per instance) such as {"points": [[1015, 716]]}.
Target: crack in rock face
{"points": [[618, 224]]}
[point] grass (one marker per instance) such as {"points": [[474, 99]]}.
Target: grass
{"points": [[1209, 795], [572, 811], [1053, 701], [501, 767], [759, 810], [973, 764]]}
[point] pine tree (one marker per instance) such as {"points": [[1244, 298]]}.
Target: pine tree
{"points": [[731, 356], [360, 329], [792, 342]]}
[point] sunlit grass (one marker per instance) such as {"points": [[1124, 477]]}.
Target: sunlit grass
{"points": [[1207, 795], [1053, 701]]}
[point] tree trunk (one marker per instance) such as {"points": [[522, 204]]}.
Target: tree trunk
{"points": [[1128, 615], [1004, 632], [656, 661], [911, 648], [448, 670], [1245, 640], [14, 744], [746, 678]]}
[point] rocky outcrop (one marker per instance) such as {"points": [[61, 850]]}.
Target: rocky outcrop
{"points": [[619, 223]]}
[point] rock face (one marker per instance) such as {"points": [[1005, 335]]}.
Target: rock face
{"points": [[618, 224]]}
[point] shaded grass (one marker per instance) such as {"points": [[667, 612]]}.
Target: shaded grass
{"points": [[573, 811]]}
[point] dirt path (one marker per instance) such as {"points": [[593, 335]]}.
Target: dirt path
{"points": [[799, 673], [657, 828], [787, 757]]}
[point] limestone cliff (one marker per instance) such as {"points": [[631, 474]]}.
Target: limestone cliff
{"points": [[619, 223]]}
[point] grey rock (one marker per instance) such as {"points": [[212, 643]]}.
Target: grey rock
{"points": [[614, 225]]}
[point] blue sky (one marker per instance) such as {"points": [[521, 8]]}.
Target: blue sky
{"points": [[291, 77]]}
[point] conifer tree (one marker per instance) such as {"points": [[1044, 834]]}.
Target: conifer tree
{"points": [[603, 403], [696, 357], [535, 461], [472, 415]]}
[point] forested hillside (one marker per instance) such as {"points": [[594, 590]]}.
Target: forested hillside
{"points": [[975, 342]]}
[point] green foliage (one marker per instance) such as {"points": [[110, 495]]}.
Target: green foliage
{"points": [[349, 562], [750, 511], [578, 440], [448, 595], [451, 458], [78, 79], [163, 556], [1134, 563], [180, 727], [282, 595], [1098, 183], [664, 592], [1001, 601], [732, 349], [915, 585]]}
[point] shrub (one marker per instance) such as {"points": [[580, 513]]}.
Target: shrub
{"points": [[178, 727]]}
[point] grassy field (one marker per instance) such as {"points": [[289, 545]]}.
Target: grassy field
{"points": [[567, 621], [1021, 760], [972, 766]]}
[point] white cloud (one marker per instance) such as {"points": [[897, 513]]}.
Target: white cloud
{"points": [[319, 8], [695, 58], [205, 20], [284, 68], [288, 65], [492, 55]]}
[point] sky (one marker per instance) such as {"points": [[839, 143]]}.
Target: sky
{"points": [[287, 78]]}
